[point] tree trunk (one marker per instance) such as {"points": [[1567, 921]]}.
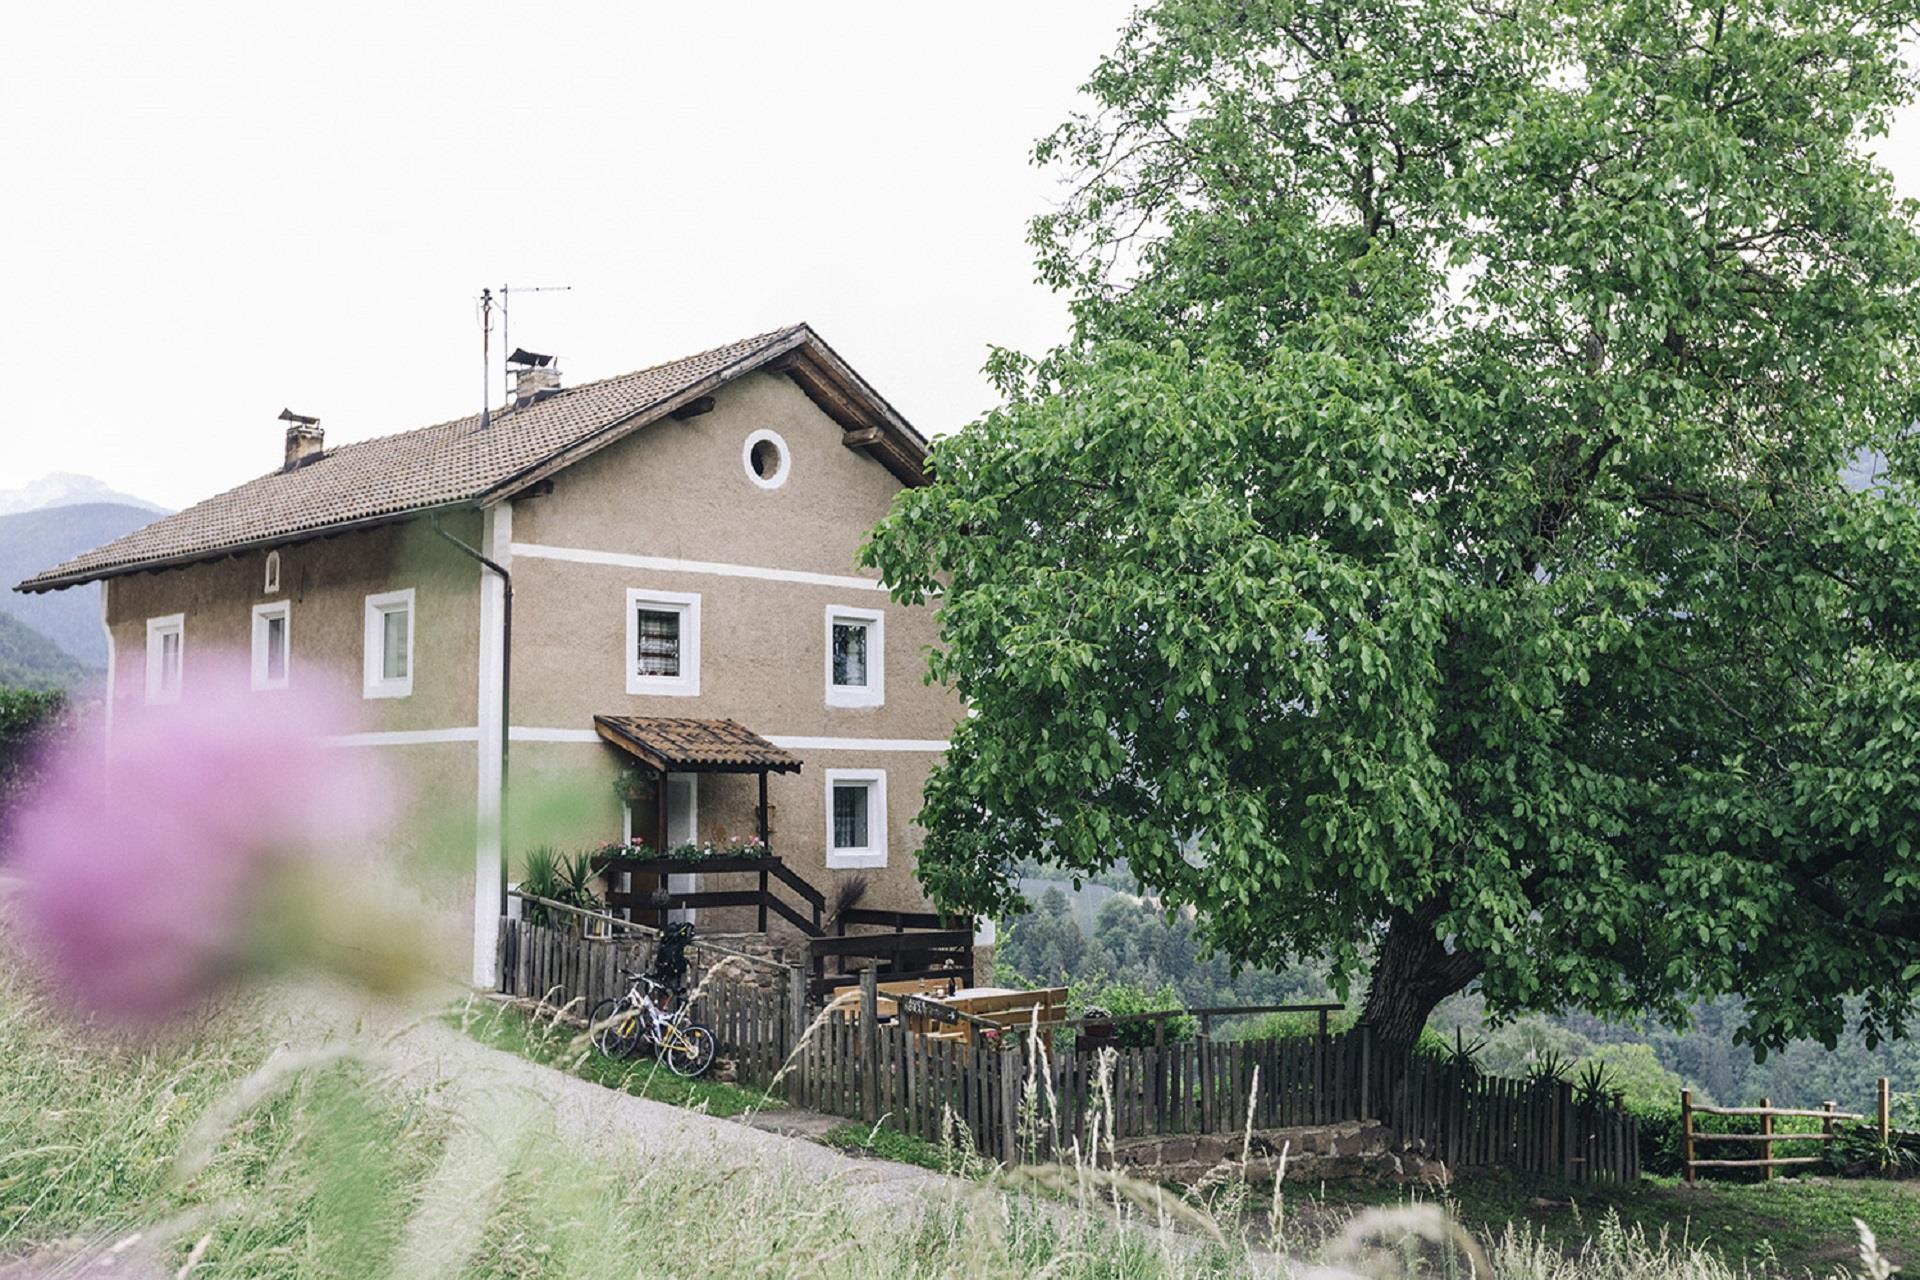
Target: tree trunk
{"points": [[1412, 974]]}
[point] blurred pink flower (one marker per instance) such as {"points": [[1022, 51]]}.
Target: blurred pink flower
{"points": [[147, 867]]}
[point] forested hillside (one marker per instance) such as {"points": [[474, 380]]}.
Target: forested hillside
{"points": [[1135, 944], [29, 660]]}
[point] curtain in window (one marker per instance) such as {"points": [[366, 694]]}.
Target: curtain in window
{"points": [[393, 644], [850, 654], [170, 661], [659, 643], [276, 648], [850, 817]]}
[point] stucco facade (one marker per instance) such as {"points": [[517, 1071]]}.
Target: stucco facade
{"points": [[675, 507]]}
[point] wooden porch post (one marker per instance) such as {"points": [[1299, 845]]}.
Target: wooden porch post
{"points": [[765, 845], [660, 833]]}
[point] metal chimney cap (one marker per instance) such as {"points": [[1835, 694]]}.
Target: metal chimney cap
{"points": [[531, 359], [298, 419]]}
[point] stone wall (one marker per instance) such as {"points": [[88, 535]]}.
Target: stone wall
{"points": [[1352, 1151]]}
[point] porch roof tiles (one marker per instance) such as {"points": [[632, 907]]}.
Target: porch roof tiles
{"points": [[677, 744]]}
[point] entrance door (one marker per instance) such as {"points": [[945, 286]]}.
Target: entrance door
{"points": [[683, 827]]}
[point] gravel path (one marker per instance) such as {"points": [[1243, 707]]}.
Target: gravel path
{"points": [[480, 1082]]}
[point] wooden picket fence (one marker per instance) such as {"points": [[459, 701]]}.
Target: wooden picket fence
{"points": [[1013, 1097], [1471, 1121]]}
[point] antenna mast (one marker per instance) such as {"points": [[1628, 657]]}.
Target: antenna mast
{"points": [[486, 357], [506, 341]]}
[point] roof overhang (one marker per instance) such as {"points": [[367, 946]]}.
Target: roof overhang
{"points": [[38, 584], [867, 422]]}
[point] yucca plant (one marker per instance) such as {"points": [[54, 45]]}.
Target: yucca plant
{"points": [[577, 876], [1596, 1087], [540, 878], [1548, 1066]]}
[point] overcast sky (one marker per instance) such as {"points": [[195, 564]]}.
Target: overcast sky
{"points": [[213, 211]]}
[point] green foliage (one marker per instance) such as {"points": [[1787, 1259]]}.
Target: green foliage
{"points": [[1435, 523], [1135, 943], [1595, 1086], [30, 660], [1859, 1150], [1635, 1072], [31, 722], [558, 877], [1286, 1026], [1121, 998], [883, 1143], [1702, 1054]]}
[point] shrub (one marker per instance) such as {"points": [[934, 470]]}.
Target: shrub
{"points": [[1121, 998], [30, 721]]}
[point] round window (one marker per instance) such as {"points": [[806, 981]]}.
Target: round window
{"points": [[765, 457]]}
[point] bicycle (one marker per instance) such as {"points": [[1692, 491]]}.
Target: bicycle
{"points": [[622, 1025]]}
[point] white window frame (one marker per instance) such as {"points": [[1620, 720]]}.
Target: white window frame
{"points": [[687, 605], [272, 586], [874, 692], [172, 624], [779, 477], [262, 614], [875, 852], [374, 641]]}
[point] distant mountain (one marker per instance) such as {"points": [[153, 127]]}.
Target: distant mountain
{"points": [[65, 489], [34, 540], [30, 660]]}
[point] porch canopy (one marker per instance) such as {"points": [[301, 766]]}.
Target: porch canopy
{"points": [[676, 744]]}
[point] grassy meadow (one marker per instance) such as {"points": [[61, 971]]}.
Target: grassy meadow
{"points": [[242, 1144]]}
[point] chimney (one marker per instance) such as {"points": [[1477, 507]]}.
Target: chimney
{"points": [[535, 377], [305, 441]]}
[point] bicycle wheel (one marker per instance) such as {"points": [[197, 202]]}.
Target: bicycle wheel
{"points": [[616, 1028], [687, 1048]]}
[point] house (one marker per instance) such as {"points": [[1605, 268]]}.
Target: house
{"points": [[652, 575]]}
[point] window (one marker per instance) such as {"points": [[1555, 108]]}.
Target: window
{"points": [[271, 645], [766, 459], [273, 573], [856, 818], [663, 643], [166, 656], [389, 645], [856, 657]]}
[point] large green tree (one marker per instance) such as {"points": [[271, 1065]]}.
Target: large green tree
{"points": [[1430, 552]]}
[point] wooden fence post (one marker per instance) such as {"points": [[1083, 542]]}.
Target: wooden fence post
{"points": [[870, 1044], [1766, 1137], [1686, 1133], [1569, 1131], [1010, 1073], [796, 1027]]}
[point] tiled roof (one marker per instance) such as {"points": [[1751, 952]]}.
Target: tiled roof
{"points": [[452, 463], [676, 743]]}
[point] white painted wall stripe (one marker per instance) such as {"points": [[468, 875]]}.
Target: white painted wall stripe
{"points": [[860, 744], [403, 737], [534, 733], [538, 733], [712, 568], [529, 733]]}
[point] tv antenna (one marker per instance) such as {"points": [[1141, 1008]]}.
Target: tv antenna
{"points": [[506, 340]]}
